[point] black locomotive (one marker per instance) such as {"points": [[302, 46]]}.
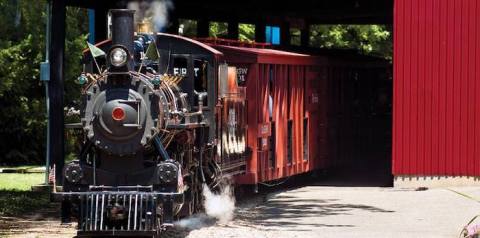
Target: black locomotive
{"points": [[149, 135]]}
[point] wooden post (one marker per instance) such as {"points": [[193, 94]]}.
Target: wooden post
{"points": [[285, 34], [55, 88], [233, 30], [203, 27], [260, 32], [100, 24], [305, 36]]}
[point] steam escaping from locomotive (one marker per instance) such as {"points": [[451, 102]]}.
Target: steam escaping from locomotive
{"points": [[219, 205], [196, 221], [156, 12]]}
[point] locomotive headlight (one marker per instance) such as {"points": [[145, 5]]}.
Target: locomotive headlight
{"points": [[118, 57]]}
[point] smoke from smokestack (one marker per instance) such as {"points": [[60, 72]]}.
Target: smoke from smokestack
{"points": [[155, 11]]}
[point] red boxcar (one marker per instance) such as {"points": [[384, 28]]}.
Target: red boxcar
{"points": [[311, 112], [284, 120]]}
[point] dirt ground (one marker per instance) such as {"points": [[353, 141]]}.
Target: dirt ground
{"points": [[42, 223]]}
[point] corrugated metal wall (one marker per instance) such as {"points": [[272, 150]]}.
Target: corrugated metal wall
{"points": [[436, 92]]}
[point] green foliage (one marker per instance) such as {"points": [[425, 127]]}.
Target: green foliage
{"points": [[367, 39], [218, 29], [373, 40], [22, 47], [246, 32], [295, 36]]}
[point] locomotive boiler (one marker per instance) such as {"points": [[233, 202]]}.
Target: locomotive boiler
{"points": [[151, 123]]}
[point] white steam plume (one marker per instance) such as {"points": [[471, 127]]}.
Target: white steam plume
{"points": [[196, 221], [156, 11], [220, 206]]}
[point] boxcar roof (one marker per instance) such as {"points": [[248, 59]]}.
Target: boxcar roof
{"points": [[237, 54]]}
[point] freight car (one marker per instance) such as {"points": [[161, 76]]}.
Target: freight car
{"points": [[325, 109], [162, 115]]}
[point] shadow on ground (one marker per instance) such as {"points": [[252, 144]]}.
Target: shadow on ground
{"points": [[275, 208], [24, 203], [25, 210], [293, 213]]}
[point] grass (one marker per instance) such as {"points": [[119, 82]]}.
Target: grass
{"points": [[16, 196], [20, 182], [21, 167]]}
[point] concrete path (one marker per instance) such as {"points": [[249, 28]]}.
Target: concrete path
{"points": [[322, 211]]}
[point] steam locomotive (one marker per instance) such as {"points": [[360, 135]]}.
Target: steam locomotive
{"points": [[150, 135]]}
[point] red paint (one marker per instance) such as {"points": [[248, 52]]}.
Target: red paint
{"points": [[118, 114], [436, 100], [434, 155], [476, 68]]}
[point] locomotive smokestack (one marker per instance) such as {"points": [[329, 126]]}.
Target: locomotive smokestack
{"points": [[122, 28]]}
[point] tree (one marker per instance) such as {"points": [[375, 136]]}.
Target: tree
{"points": [[373, 40], [246, 32], [22, 117], [218, 29]]}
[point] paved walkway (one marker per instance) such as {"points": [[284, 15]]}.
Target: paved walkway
{"points": [[322, 211]]}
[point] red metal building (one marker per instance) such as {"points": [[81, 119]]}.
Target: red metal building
{"points": [[436, 122]]}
